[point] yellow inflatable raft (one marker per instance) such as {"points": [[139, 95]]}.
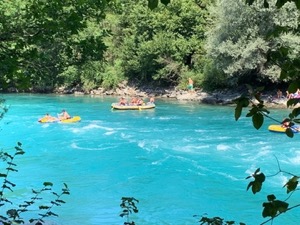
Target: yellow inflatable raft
{"points": [[74, 119], [280, 129]]}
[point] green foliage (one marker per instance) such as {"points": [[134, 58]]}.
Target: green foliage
{"points": [[112, 76], [216, 221], [258, 109], [279, 3], [39, 39], [152, 4], [256, 185], [273, 207], [14, 214], [158, 46], [248, 43], [292, 184], [128, 205]]}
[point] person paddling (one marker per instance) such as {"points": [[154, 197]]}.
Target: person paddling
{"points": [[64, 115]]}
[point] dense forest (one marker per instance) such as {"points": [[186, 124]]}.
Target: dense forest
{"points": [[89, 44]]}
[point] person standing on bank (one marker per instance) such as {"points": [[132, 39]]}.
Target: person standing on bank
{"points": [[191, 85]]}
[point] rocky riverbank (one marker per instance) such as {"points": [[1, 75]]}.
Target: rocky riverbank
{"points": [[217, 97]]}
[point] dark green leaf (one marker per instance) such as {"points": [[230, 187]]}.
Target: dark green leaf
{"points": [[293, 86], [260, 177], [238, 112], [152, 4], [266, 4], [250, 2], [280, 3], [66, 186], [297, 120], [269, 210], [165, 2], [291, 185], [60, 201], [289, 132], [296, 112], [258, 120], [280, 206], [252, 112], [256, 187], [18, 148], [250, 185], [48, 184], [292, 102], [20, 153], [271, 198], [297, 2]]}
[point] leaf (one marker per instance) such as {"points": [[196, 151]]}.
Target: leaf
{"points": [[297, 2], [280, 206], [292, 102], [60, 201], [269, 210], [266, 4], [20, 153], [280, 3], [165, 2], [252, 112], [294, 85], [289, 132], [256, 187], [249, 185], [260, 177], [258, 120], [48, 184], [241, 103], [250, 2], [271, 198], [238, 112], [52, 214], [152, 4], [297, 120], [296, 112], [257, 171], [291, 185], [18, 148]]}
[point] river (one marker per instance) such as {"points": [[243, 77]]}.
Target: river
{"points": [[181, 160]]}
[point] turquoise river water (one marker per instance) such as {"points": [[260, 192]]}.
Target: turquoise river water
{"points": [[179, 160]]}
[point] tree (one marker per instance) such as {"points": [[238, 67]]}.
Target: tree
{"points": [[161, 46], [244, 43], [41, 39], [279, 3]]}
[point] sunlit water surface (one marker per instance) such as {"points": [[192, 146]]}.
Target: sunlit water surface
{"points": [[178, 160]]}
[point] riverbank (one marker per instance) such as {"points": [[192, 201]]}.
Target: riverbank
{"points": [[217, 97]]}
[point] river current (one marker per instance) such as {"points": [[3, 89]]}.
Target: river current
{"points": [[181, 160]]}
